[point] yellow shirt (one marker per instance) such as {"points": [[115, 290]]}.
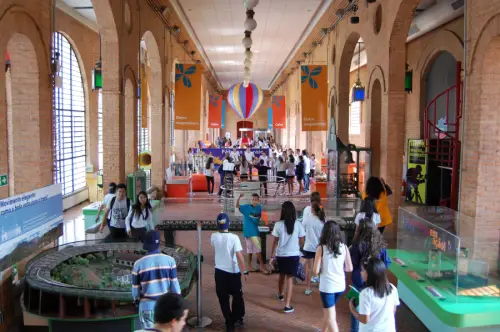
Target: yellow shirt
{"points": [[383, 209]]}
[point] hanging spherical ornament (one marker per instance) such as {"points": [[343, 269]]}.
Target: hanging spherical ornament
{"points": [[247, 71], [245, 101], [246, 84], [247, 42], [250, 4], [247, 76], [250, 24], [248, 62], [249, 54]]}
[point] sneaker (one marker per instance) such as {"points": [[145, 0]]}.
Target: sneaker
{"points": [[281, 298], [315, 279], [239, 323], [308, 292], [288, 310]]}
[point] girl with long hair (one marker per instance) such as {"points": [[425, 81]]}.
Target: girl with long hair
{"points": [[300, 173], [313, 225], [369, 211], [369, 243], [281, 174], [209, 174], [290, 173], [378, 301], [377, 190], [288, 238], [140, 217], [331, 261], [243, 168]]}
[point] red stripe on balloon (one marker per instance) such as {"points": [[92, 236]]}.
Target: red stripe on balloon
{"points": [[248, 101]]}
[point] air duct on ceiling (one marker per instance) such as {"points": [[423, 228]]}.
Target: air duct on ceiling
{"points": [[441, 13]]}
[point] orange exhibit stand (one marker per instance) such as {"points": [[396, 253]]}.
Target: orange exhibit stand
{"points": [[179, 187], [199, 182], [321, 187]]}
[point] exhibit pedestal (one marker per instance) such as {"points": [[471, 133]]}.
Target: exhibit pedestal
{"points": [[179, 187], [429, 318]]}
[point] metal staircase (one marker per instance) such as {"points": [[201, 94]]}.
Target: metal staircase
{"points": [[442, 138]]}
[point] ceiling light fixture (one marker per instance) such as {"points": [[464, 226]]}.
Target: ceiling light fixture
{"points": [[250, 23], [354, 19], [247, 41], [176, 29], [250, 4]]}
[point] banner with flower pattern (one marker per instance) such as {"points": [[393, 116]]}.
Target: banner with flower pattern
{"points": [[215, 111], [314, 92], [279, 112], [187, 96]]}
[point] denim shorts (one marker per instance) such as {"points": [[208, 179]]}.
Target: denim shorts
{"points": [[330, 299]]}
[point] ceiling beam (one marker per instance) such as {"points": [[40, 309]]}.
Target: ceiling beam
{"points": [[189, 29], [60, 4]]}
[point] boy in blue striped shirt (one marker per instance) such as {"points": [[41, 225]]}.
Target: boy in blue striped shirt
{"points": [[152, 276]]}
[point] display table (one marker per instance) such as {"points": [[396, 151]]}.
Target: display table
{"points": [[179, 186], [449, 313], [199, 182]]}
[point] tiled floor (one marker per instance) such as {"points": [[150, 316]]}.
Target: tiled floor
{"points": [[263, 311]]}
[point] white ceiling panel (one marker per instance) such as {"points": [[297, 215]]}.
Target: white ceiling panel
{"points": [[218, 25], [82, 7]]}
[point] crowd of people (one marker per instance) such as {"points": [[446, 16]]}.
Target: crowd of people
{"points": [[281, 167], [311, 248], [261, 141]]}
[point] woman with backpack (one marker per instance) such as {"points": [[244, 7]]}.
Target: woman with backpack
{"points": [[288, 238], [331, 261], [369, 243], [140, 218], [313, 225]]}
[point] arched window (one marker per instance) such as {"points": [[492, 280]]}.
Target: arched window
{"points": [[69, 120]]}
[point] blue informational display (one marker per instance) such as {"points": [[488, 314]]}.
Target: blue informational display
{"points": [[29, 222]]}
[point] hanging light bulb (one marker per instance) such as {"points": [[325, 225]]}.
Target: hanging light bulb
{"points": [[247, 41], [250, 22], [248, 62], [250, 4], [248, 54]]}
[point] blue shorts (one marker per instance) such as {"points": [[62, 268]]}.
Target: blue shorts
{"points": [[330, 299]]}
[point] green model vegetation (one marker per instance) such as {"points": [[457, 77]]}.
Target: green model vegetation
{"points": [[107, 271]]}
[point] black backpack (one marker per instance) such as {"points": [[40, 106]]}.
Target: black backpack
{"points": [[111, 207]]}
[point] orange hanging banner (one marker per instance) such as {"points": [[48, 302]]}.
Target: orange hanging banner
{"points": [[314, 89], [279, 112], [187, 96], [215, 111]]}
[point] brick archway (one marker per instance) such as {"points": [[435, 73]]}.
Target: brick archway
{"points": [[29, 130], [393, 115], [345, 87], [157, 115]]}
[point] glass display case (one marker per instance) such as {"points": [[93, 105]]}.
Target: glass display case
{"points": [[348, 170], [441, 275], [429, 245]]}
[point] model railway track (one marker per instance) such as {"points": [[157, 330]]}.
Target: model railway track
{"points": [[38, 270]]}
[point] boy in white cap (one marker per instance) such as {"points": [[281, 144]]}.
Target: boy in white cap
{"points": [[228, 255]]}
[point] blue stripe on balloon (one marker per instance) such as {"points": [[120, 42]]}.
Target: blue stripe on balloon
{"points": [[242, 93]]}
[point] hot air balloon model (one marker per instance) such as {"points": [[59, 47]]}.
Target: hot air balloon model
{"points": [[245, 101]]}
